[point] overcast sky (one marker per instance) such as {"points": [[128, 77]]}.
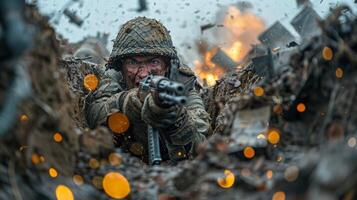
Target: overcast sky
{"points": [[183, 18]]}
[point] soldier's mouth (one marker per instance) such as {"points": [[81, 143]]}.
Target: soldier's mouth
{"points": [[137, 84]]}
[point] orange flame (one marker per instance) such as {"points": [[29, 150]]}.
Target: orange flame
{"points": [[208, 72], [242, 29]]}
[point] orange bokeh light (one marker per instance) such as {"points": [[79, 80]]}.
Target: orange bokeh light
{"points": [[90, 82], [327, 53], [118, 122], [249, 152], [64, 193], [77, 179], [258, 91], [301, 107], [35, 158], [273, 136], [227, 181], [24, 118], [279, 196], [339, 72], [116, 185], [57, 137], [53, 172]]}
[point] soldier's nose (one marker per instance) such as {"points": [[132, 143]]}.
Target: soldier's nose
{"points": [[143, 73]]}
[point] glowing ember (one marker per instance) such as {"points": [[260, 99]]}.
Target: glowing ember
{"points": [[327, 53], [90, 82], [35, 158], [64, 193], [118, 123], [77, 179], [24, 118], [339, 72], [57, 137], [301, 107], [53, 172], [249, 152], [273, 136], [227, 181], [279, 196], [179, 154], [258, 91], [116, 185]]}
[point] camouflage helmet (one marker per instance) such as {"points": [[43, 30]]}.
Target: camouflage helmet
{"points": [[142, 36]]}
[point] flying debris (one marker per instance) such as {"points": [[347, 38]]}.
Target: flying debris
{"points": [[142, 6], [73, 18], [206, 27], [223, 60], [276, 36], [244, 5], [303, 2], [306, 22]]}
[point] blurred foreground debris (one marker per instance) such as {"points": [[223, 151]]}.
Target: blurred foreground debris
{"points": [[15, 32], [15, 39]]}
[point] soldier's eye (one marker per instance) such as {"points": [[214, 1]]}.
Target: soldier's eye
{"points": [[131, 62], [155, 61]]}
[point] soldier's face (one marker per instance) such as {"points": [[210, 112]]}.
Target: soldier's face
{"points": [[137, 68]]}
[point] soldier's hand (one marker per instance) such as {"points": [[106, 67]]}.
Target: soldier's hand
{"points": [[132, 106], [157, 116], [142, 94]]}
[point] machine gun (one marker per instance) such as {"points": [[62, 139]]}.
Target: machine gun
{"points": [[166, 93]]}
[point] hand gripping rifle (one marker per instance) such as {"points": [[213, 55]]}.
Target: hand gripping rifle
{"points": [[166, 93]]}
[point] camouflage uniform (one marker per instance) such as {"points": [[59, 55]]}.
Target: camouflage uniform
{"points": [[190, 126]]}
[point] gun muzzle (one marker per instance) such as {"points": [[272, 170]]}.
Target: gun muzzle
{"points": [[171, 87], [179, 100]]}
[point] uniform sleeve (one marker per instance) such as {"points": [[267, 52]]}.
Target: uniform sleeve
{"points": [[192, 129], [105, 100]]}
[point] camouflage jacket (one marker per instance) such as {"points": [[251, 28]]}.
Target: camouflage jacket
{"points": [[179, 145]]}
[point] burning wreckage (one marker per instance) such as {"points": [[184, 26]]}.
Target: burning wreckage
{"points": [[283, 123]]}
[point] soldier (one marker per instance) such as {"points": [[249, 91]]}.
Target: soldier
{"points": [[143, 46]]}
